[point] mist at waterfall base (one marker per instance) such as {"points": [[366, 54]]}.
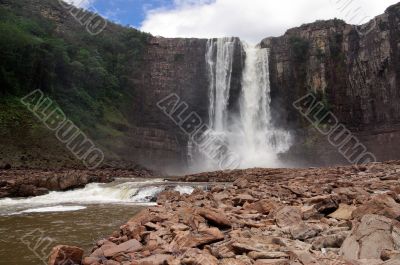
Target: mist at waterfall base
{"points": [[248, 133]]}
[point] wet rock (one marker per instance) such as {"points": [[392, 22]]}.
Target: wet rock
{"points": [[65, 255], [168, 196]]}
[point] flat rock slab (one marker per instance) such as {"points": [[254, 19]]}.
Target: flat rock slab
{"points": [[129, 246]]}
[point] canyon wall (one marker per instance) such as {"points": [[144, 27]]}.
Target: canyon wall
{"points": [[353, 70], [170, 66]]}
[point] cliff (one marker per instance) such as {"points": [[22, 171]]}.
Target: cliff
{"points": [[353, 70], [109, 85]]}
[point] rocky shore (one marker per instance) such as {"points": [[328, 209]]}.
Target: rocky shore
{"points": [[339, 215], [35, 182]]}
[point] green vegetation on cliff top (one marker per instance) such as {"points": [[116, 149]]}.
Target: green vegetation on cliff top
{"points": [[90, 77]]}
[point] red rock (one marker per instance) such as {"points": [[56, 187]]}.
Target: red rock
{"points": [[216, 217], [288, 216], [159, 259], [379, 205], [65, 255], [370, 237], [129, 246], [272, 262]]}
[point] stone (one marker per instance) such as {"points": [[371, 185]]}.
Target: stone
{"points": [[202, 258], [344, 212], [370, 237], [390, 254], [302, 231], [263, 206], [329, 241], [187, 239], [216, 217], [158, 259], [232, 261], [241, 183], [90, 260], [267, 255], [241, 199], [379, 205], [65, 255], [288, 216], [126, 247], [272, 262]]}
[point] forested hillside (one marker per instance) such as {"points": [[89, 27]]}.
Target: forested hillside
{"points": [[42, 46]]}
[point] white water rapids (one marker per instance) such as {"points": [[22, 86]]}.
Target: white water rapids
{"points": [[134, 192], [249, 134]]}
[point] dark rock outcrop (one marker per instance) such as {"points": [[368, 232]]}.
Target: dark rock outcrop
{"points": [[354, 71]]}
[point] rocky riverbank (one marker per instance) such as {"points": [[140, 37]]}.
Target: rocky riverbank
{"points": [[35, 182], [340, 215]]}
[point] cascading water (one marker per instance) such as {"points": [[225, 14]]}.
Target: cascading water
{"points": [[122, 191], [250, 133], [262, 142], [219, 59]]}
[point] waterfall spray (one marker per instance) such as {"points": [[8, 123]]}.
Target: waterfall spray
{"points": [[250, 133]]}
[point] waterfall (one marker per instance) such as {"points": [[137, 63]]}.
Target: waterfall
{"points": [[219, 59], [260, 143], [249, 134]]}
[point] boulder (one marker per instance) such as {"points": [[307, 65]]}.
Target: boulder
{"points": [[158, 259], [379, 205], [188, 239], [302, 231], [370, 237], [241, 199], [66, 255], [263, 206], [344, 212], [216, 217], [288, 216], [129, 246]]}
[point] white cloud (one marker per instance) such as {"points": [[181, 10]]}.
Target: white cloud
{"points": [[253, 20], [80, 3]]}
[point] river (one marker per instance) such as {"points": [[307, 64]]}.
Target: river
{"points": [[30, 227]]}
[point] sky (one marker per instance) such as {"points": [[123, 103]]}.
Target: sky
{"points": [[251, 20]]}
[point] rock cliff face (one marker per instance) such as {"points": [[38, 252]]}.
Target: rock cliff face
{"points": [[354, 71], [171, 66]]}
